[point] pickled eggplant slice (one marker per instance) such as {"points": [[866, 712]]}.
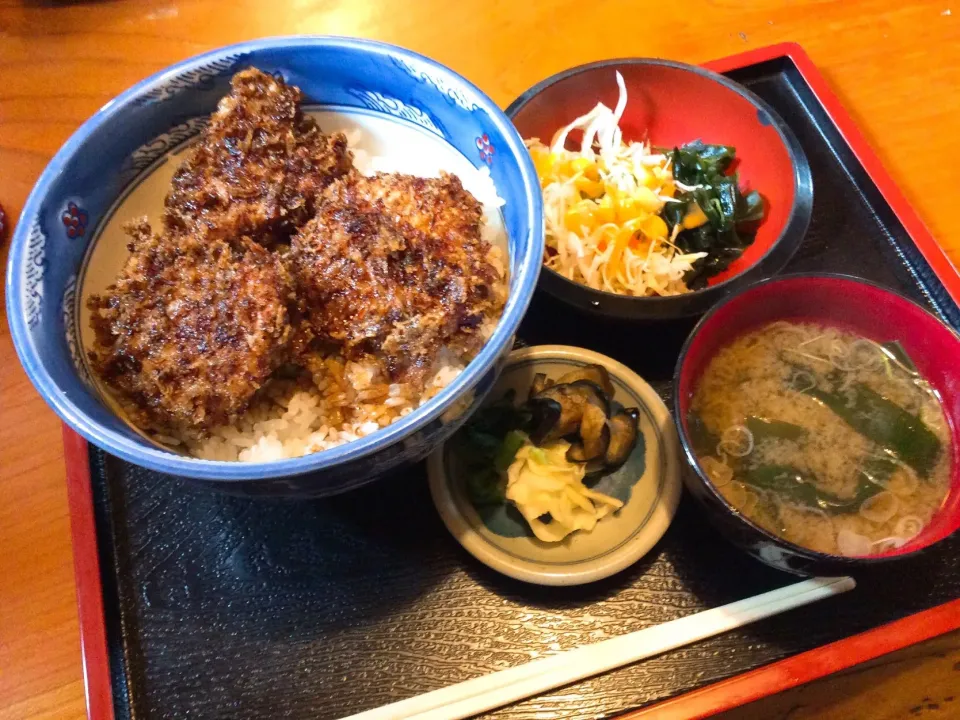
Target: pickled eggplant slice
{"points": [[623, 437], [545, 414], [576, 453], [594, 436], [593, 393], [597, 374], [573, 399], [539, 384], [571, 406], [594, 432]]}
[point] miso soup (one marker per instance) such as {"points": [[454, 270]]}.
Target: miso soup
{"points": [[825, 438]]}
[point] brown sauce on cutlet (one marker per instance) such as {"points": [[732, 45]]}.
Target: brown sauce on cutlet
{"points": [[395, 266], [274, 255], [192, 328], [257, 167]]}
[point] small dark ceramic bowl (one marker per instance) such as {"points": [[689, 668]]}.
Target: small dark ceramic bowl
{"points": [[671, 104], [840, 301]]}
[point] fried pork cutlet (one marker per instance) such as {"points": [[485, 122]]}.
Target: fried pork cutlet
{"points": [[257, 167], [191, 328], [394, 266]]}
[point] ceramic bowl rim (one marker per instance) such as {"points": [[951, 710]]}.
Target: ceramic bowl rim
{"points": [[694, 463], [528, 268], [797, 222], [590, 570]]}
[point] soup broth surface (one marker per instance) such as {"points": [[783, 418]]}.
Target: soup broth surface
{"points": [[823, 437]]}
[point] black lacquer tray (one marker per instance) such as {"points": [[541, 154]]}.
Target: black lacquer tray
{"points": [[196, 604]]}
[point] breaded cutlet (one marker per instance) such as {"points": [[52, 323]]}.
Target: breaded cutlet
{"points": [[394, 266], [191, 328], [257, 167]]}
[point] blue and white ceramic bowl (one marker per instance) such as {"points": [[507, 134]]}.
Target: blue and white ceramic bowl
{"points": [[68, 244]]}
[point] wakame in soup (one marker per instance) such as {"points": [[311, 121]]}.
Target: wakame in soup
{"points": [[825, 438]]}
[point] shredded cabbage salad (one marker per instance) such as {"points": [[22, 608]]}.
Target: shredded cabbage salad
{"points": [[602, 208]]}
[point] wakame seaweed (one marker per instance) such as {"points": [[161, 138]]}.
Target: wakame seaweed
{"points": [[731, 214], [898, 351], [704, 442], [886, 424], [801, 487], [763, 429]]}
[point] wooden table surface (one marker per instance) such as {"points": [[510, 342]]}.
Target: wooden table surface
{"points": [[894, 63]]}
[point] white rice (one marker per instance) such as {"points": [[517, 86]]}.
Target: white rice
{"points": [[291, 421], [349, 400]]}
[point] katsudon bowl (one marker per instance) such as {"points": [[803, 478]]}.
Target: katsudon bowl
{"points": [[400, 108]]}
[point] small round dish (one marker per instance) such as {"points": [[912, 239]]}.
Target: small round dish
{"points": [[671, 103], [648, 484]]}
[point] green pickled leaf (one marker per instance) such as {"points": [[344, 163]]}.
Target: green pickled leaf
{"points": [[487, 444], [486, 487], [508, 449]]}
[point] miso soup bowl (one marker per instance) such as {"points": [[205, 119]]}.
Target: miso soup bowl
{"points": [[851, 304], [65, 242]]}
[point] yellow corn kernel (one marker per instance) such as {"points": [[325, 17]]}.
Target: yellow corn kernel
{"points": [[590, 188], [694, 218], [647, 199], [629, 210], [605, 210], [654, 227], [578, 217], [646, 178], [543, 161], [668, 189], [585, 166]]}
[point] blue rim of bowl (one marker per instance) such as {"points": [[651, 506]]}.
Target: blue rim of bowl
{"points": [[800, 212], [694, 462], [170, 462]]}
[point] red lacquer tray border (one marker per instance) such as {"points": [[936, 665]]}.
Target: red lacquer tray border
{"points": [[699, 703], [86, 566]]}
